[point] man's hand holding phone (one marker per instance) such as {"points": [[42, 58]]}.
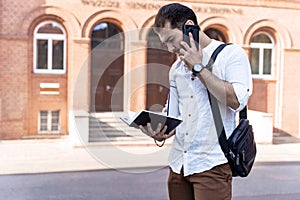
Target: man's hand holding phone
{"points": [[194, 29], [191, 54]]}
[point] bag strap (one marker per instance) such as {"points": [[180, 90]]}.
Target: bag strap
{"points": [[216, 111], [215, 107]]}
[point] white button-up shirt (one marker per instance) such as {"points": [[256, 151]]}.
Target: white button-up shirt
{"points": [[195, 146]]}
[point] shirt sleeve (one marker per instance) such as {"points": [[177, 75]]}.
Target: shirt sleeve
{"points": [[172, 106], [238, 73]]}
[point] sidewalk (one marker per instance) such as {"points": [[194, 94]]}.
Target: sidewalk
{"points": [[58, 155]]}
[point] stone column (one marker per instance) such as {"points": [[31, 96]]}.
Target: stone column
{"points": [[136, 76], [79, 91]]}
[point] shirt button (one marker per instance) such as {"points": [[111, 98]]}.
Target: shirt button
{"points": [[186, 133], [192, 96], [185, 151], [190, 115]]}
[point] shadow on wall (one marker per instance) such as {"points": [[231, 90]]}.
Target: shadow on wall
{"points": [[262, 126]]}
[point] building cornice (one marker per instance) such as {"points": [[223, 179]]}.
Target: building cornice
{"points": [[285, 4]]}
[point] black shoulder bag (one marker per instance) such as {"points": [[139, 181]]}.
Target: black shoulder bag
{"points": [[240, 147]]}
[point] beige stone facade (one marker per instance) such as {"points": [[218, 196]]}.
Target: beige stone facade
{"points": [[34, 102]]}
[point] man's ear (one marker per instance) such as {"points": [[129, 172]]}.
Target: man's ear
{"points": [[189, 22]]}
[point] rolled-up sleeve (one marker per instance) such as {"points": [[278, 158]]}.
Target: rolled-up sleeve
{"points": [[242, 93]]}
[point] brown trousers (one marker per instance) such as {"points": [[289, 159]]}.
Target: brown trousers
{"points": [[214, 184]]}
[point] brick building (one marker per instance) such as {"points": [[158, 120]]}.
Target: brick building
{"points": [[52, 73]]}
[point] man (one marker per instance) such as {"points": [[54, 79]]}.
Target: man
{"points": [[198, 167]]}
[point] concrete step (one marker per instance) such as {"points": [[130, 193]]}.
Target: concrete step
{"points": [[109, 126]]}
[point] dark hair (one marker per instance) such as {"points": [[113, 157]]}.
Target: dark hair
{"points": [[177, 14]]}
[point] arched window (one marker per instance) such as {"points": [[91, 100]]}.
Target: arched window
{"points": [[49, 48], [107, 30], [261, 48], [215, 34]]}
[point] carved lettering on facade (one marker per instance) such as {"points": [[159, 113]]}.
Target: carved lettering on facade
{"points": [[145, 6], [101, 3], [154, 6], [214, 10], [117, 4]]}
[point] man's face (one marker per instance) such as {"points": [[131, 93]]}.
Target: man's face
{"points": [[170, 37]]}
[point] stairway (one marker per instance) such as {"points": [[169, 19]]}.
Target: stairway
{"points": [[108, 126]]}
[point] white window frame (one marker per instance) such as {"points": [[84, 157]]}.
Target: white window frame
{"points": [[262, 47], [49, 37], [49, 123]]}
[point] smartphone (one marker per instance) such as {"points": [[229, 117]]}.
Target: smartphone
{"points": [[194, 29]]}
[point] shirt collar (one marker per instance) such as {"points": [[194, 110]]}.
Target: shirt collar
{"points": [[208, 50]]}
